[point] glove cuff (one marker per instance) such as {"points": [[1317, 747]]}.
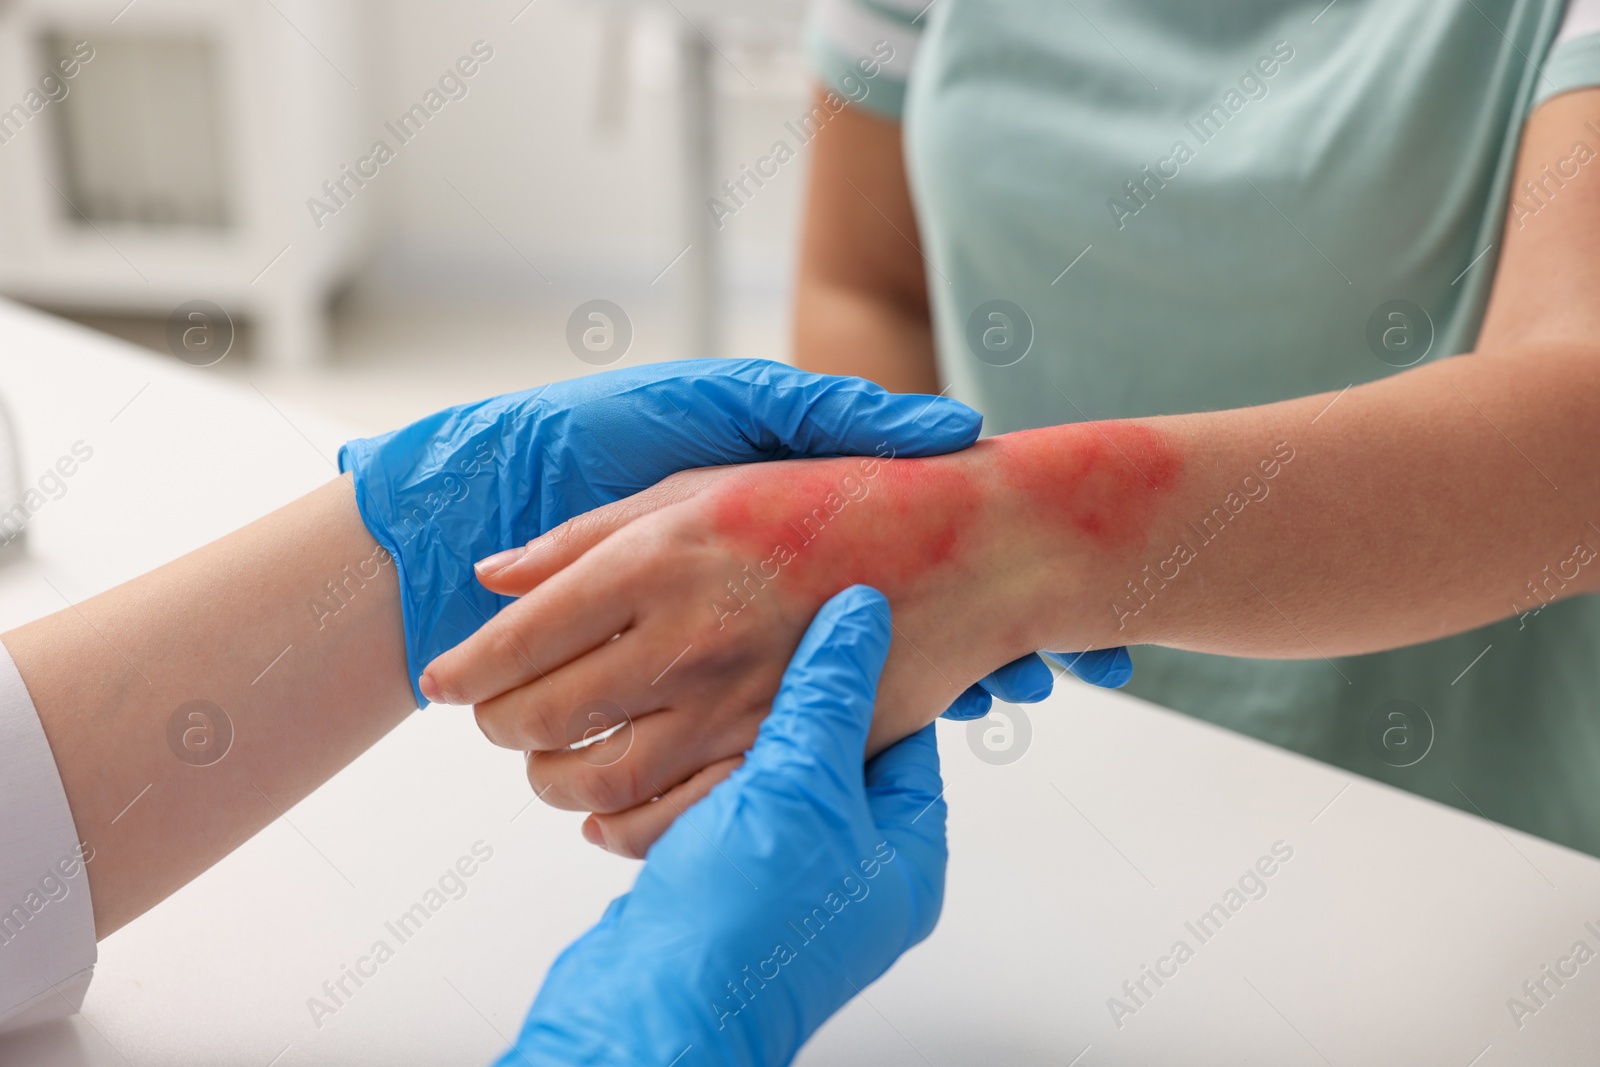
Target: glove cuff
{"points": [[437, 511]]}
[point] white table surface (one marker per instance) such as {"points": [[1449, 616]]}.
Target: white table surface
{"points": [[1394, 935]]}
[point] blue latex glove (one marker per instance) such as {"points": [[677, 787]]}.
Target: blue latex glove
{"points": [[1029, 680], [473, 480], [773, 901]]}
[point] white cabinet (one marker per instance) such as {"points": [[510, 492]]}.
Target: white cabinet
{"points": [[160, 152]]}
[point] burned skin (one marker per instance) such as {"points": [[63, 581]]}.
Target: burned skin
{"points": [[893, 523]]}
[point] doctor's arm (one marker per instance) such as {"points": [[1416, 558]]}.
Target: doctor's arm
{"points": [[233, 624], [188, 708]]}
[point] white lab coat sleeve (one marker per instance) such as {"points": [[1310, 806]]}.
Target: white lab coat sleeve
{"points": [[47, 949]]}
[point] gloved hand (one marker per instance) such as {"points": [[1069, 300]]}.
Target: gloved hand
{"points": [[1029, 680], [473, 480], [773, 901]]}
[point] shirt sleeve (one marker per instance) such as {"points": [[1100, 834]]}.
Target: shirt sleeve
{"points": [[863, 49], [47, 949], [1574, 59]]}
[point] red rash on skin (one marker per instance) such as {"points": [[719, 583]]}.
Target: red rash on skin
{"points": [[886, 522], [1104, 479], [847, 521]]}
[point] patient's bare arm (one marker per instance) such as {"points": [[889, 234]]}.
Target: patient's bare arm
{"points": [[1245, 532]]}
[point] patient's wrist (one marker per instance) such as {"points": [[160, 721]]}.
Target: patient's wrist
{"points": [[1079, 505]]}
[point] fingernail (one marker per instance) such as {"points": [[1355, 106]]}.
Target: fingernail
{"points": [[499, 561], [431, 690], [592, 834]]}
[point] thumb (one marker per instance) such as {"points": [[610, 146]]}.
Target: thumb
{"points": [[904, 790], [824, 706], [906, 797]]}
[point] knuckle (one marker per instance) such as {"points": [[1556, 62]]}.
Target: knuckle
{"points": [[502, 646], [559, 538], [550, 784], [537, 778], [491, 727], [606, 790], [512, 720], [538, 733], [630, 842]]}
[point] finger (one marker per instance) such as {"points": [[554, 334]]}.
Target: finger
{"points": [[906, 797], [783, 413], [904, 789], [579, 609], [1022, 681], [631, 833], [824, 706], [700, 413], [518, 570], [973, 703], [812, 742], [645, 758], [594, 691], [1109, 668], [819, 722]]}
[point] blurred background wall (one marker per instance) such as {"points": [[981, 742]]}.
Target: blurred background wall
{"points": [[562, 171]]}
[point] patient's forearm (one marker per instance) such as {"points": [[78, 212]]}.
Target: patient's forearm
{"points": [[1401, 511], [290, 626]]}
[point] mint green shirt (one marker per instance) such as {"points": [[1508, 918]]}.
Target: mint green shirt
{"points": [[1199, 206]]}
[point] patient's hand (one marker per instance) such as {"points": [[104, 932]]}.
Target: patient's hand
{"points": [[675, 610]]}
